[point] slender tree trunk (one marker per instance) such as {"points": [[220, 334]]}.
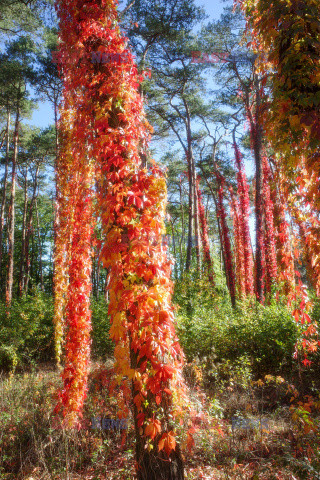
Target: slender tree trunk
{"points": [[256, 132], [106, 287], [23, 236], [39, 247], [93, 275], [98, 274], [11, 214], [196, 217], [223, 259], [259, 233], [204, 236], [30, 273], [152, 466], [182, 228], [226, 245], [244, 214], [239, 250], [192, 205], [28, 262], [190, 215], [29, 231], [56, 203], [174, 250], [222, 252], [223, 234], [4, 192], [192, 194], [269, 243]]}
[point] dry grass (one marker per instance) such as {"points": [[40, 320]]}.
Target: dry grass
{"points": [[31, 449]]}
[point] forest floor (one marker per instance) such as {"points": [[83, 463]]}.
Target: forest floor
{"points": [[254, 430]]}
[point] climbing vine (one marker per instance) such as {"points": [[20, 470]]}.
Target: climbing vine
{"points": [[108, 137]]}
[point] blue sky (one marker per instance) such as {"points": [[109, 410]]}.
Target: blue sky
{"points": [[213, 7], [43, 116]]}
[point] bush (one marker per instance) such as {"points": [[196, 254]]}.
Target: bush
{"points": [[27, 333], [102, 345], [266, 335]]}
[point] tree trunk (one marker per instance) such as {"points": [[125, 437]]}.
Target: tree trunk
{"points": [[93, 274], [39, 247], [157, 466], [190, 216], [182, 227], [152, 465], [204, 236], [256, 130], [23, 236], [98, 274], [196, 217], [192, 193], [4, 192], [106, 287], [175, 271], [56, 203], [11, 214], [226, 245], [29, 230]]}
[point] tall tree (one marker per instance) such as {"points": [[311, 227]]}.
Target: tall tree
{"points": [[287, 37], [5, 179], [161, 34], [15, 71], [246, 95], [204, 235], [174, 101], [104, 127], [37, 149], [18, 17]]}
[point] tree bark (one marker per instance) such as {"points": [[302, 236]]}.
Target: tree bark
{"points": [[193, 203], [196, 217], [182, 227], [4, 192], [11, 214], [153, 465], [256, 130], [56, 203], [190, 216], [226, 245], [175, 272], [39, 247], [98, 273], [29, 230], [23, 236]]}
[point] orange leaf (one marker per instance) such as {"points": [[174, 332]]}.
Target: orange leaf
{"points": [[167, 442], [153, 428]]}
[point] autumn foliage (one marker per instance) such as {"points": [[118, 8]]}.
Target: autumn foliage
{"points": [[289, 32], [204, 234], [226, 243], [285, 33], [102, 143], [242, 214], [269, 237]]}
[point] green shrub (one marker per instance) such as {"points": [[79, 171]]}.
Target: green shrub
{"points": [[102, 345], [26, 333], [264, 334]]}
